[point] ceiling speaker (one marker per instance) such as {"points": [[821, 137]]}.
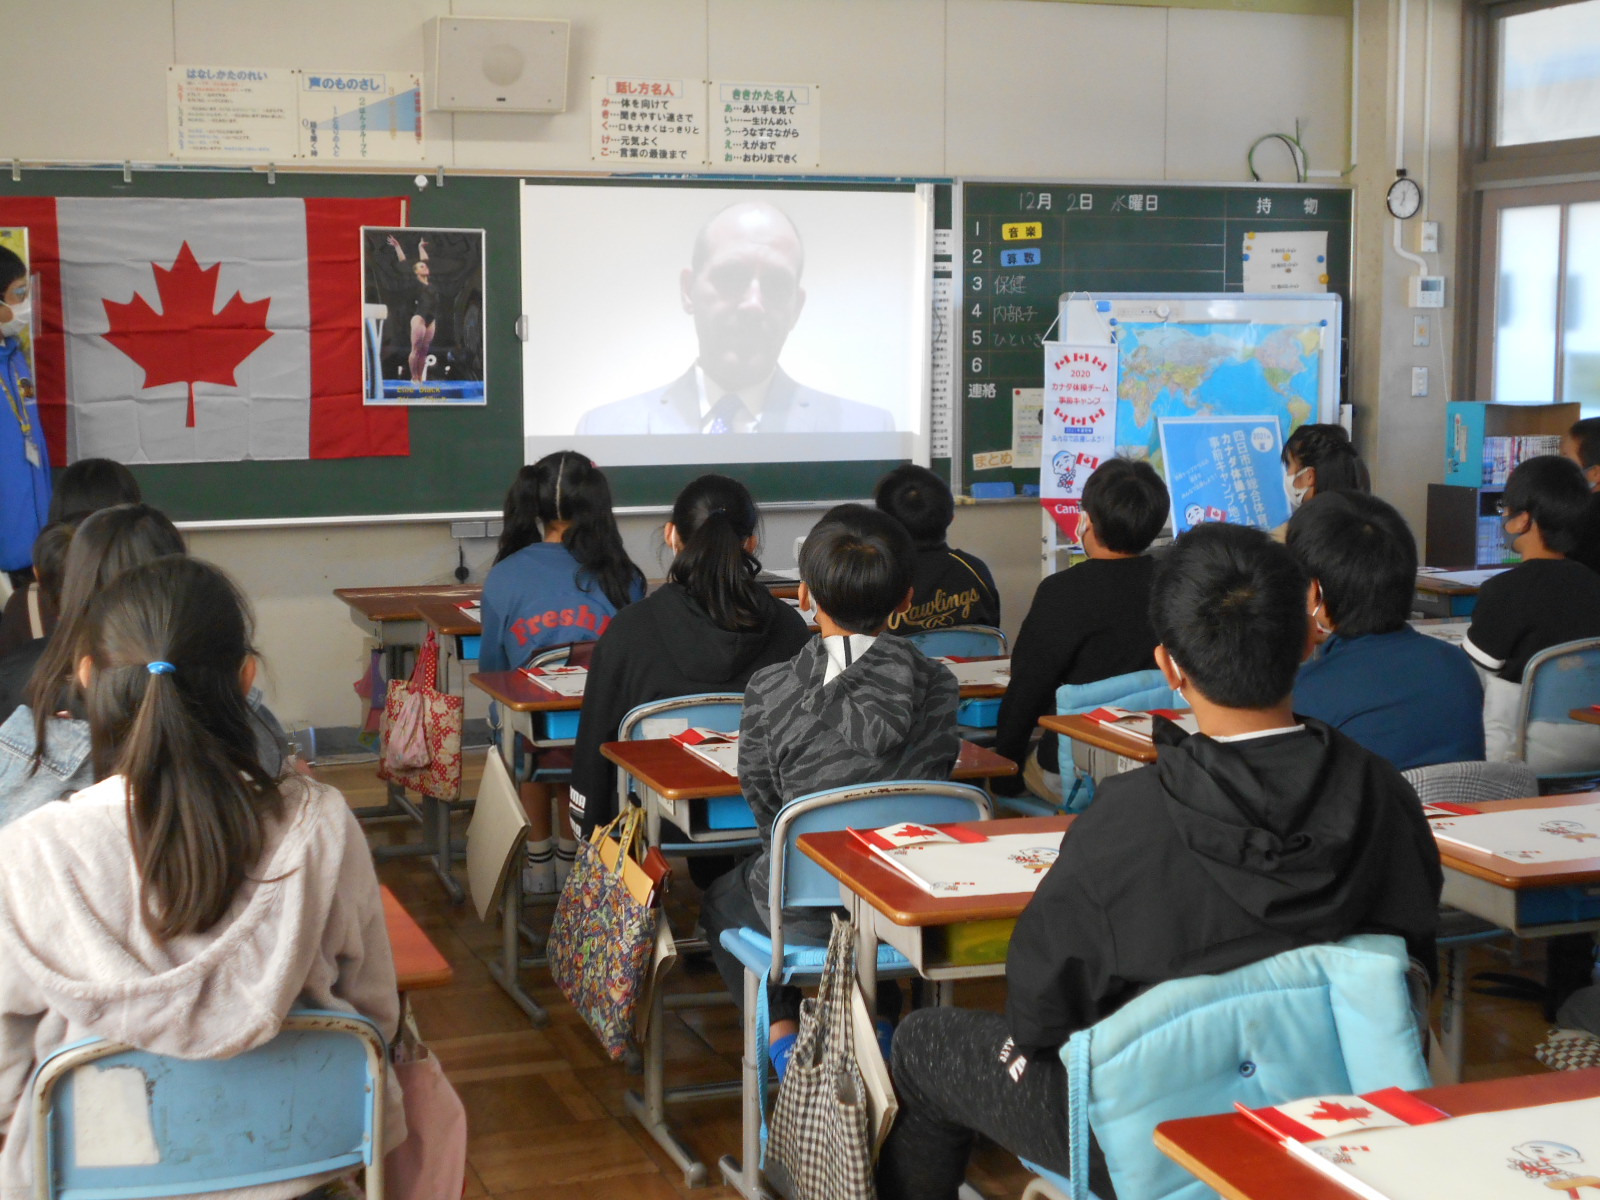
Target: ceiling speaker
{"points": [[497, 64]]}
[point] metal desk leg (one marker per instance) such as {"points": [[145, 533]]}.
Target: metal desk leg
{"points": [[436, 831], [1446, 1064], [866, 951], [508, 971]]}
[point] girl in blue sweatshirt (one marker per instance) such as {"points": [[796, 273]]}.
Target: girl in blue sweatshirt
{"points": [[560, 575]]}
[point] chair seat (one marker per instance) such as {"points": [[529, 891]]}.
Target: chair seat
{"points": [[753, 949]]}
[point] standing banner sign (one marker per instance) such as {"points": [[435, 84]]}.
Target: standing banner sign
{"points": [[1224, 469], [1080, 418]]}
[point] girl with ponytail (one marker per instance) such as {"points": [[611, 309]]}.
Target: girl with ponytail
{"points": [[189, 898], [708, 629], [559, 578]]}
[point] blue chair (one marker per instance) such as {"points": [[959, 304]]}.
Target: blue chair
{"points": [[308, 1102], [1564, 753], [1329, 1019], [1137, 691], [798, 882], [965, 641]]}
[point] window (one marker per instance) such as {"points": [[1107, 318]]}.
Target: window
{"points": [[1547, 74]]}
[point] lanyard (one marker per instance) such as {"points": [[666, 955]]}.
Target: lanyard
{"points": [[19, 405]]}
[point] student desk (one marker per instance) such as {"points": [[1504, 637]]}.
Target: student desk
{"points": [[1529, 899], [417, 961], [670, 779], [1587, 715], [459, 635], [390, 615], [1230, 1154], [1437, 597], [1091, 733], [887, 907]]}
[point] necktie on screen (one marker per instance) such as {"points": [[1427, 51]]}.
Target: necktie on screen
{"points": [[726, 414]]}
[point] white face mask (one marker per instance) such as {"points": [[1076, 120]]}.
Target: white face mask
{"points": [[20, 312], [1297, 495]]}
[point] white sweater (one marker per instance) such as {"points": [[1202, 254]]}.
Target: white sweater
{"points": [[76, 960]]}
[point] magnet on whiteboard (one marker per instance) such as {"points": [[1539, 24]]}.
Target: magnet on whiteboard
{"points": [[421, 181], [1163, 311]]}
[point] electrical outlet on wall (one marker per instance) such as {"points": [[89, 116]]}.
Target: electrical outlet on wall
{"points": [[1419, 331], [1419, 381]]}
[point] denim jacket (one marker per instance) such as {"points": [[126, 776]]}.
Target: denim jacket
{"points": [[65, 766]]}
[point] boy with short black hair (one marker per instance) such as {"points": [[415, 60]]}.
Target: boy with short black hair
{"points": [[1545, 600], [1414, 699], [852, 707], [948, 587], [1581, 444], [1089, 622], [1259, 834]]}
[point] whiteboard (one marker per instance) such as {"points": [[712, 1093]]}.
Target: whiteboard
{"points": [[1092, 319]]}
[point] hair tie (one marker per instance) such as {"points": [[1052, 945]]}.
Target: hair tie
{"points": [[715, 511], [561, 469], [160, 668]]}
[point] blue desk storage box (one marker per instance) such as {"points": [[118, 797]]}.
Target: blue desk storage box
{"points": [[561, 724], [1553, 906], [978, 714], [728, 812]]}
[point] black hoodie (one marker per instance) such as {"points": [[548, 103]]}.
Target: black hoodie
{"points": [[664, 645], [1218, 855]]}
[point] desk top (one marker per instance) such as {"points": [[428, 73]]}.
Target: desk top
{"points": [[1081, 729], [1445, 587], [985, 691], [400, 603], [417, 961], [903, 902], [668, 769], [518, 692], [1587, 715], [1503, 872], [444, 616], [1243, 1162]]}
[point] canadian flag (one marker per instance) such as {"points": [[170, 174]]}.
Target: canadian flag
{"points": [[203, 330]]}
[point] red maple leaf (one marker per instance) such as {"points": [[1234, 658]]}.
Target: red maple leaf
{"points": [[188, 342], [1332, 1110]]}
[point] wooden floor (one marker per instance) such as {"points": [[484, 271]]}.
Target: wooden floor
{"points": [[545, 1108]]}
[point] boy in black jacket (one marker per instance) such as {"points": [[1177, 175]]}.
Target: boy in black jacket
{"points": [[1259, 834], [948, 587], [852, 707]]}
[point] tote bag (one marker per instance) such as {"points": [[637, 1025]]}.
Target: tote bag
{"points": [[439, 775]]}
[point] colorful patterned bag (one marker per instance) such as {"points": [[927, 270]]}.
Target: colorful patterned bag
{"points": [[821, 1139], [602, 937], [439, 775]]}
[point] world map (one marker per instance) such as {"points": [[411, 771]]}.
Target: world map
{"points": [[1207, 370]]}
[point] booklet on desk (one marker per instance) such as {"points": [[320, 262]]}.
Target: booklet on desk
{"points": [[721, 750], [563, 681], [1141, 724], [962, 862], [987, 671], [472, 609], [1542, 1151], [1541, 835]]}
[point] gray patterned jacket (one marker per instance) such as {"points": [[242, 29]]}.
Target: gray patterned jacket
{"points": [[890, 715]]}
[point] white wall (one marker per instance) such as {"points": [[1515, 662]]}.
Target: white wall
{"points": [[1011, 88]]}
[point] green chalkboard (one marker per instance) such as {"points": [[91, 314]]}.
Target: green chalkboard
{"points": [[1100, 238], [461, 459]]}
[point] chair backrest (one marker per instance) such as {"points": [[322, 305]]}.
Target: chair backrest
{"points": [[1327, 1019], [577, 654], [1470, 782], [797, 882], [116, 1123], [959, 641], [1555, 682], [720, 711]]}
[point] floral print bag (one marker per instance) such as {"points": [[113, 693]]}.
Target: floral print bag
{"points": [[602, 937]]}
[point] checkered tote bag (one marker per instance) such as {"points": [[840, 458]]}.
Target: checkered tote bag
{"points": [[820, 1144]]}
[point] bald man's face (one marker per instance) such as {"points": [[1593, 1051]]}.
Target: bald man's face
{"points": [[745, 296]]}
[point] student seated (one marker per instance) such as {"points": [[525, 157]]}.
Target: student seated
{"points": [[36, 616], [44, 743], [707, 629], [1087, 623], [1319, 459], [852, 707], [1414, 699], [558, 578], [1581, 444], [948, 587], [1544, 601], [185, 902], [1259, 834]]}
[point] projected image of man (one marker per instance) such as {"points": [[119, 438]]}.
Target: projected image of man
{"points": [[743, 290]]}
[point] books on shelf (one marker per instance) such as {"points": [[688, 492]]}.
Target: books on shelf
{"points": [[987, 671], [1529, 835], [721, 750], [1141, 725], [951, 861], [563, 681], [1411, 1151]]}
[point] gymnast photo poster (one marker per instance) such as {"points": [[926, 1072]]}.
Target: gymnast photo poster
{"points": [[422, 316]]}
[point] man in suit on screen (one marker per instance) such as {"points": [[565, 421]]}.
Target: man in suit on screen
{"points": [[742, 288]]}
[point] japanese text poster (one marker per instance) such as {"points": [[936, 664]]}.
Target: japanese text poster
{"points": [[1224, 469], [1079, 424]]}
